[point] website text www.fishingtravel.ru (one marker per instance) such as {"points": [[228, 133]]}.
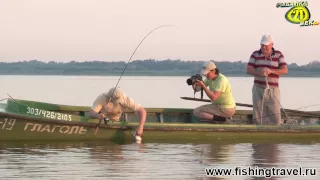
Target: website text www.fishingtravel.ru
{"points": [[261, 172]]}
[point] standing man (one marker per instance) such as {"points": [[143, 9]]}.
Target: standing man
{"points": [[222, 103], [266, 66], [113, 109]]}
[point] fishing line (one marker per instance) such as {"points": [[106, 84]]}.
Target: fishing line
{"points": [[268, 89], [11, 98], [307, 106], [294, 109], [4, 99], [290, 121], [126, 67]]}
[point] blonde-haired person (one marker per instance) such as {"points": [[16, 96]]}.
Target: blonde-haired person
{"points": [[114, 108]]}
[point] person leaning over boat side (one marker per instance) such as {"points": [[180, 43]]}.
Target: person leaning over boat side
{"points": [[266, 64], [222, 103], [113, 109]]}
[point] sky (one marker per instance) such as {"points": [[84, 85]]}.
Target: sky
{"points": [[110, 30]]}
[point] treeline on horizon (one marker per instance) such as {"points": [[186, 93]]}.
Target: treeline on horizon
{"points": [[149, 67]]}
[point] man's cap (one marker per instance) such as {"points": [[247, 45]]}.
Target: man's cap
{"points": [[207, 66], [266, 39]]}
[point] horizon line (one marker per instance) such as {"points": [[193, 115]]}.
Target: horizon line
{"points": [[218, 61]]}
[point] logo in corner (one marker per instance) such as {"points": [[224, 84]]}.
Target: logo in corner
{"points": [[298, 13]]}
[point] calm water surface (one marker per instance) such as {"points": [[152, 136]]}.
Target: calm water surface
{"points": [[302, 93], [109, 160], [147, 161]]}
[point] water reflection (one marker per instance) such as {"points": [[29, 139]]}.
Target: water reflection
{"points": [[92, 160], [217, 153], [265, 156]]}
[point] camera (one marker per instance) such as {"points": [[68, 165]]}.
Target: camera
{"points": [[192, 80]]}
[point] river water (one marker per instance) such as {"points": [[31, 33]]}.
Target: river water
{"points": [[106, 160], [111, 160]]}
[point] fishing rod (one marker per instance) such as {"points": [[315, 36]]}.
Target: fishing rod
{"points": [[125, 69], [10, 97]]}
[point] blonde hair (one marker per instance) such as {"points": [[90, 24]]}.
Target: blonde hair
{"points": [[115, 95]]}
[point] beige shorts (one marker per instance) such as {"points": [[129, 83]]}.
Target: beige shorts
{"points": [[216, 110]]}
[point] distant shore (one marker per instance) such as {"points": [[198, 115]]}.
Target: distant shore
{"points": [[173, 74], [141, 68]]}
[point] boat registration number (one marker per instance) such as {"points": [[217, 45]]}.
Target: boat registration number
{"points": [[48, 114]]}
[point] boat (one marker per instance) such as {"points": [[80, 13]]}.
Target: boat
{"points": [[32, 120]]}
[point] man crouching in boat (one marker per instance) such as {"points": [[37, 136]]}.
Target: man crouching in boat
{"points": [[112, 106], [220, 94]]}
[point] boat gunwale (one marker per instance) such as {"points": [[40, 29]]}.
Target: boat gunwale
{"points": [[73, 108], [186, 127]]}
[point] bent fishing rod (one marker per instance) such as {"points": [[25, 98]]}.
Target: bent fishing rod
{"points": [[126, 68]]}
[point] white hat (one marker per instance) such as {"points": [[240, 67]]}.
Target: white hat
{"points": [[208, 66], [266, 39]]}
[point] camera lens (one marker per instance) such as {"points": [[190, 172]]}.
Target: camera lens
{"points": [[189, 81]]}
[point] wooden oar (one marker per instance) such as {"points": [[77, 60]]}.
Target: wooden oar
{"points": [[208, 100], [296, 112]]}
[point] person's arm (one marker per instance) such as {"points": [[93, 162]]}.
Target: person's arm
{"points": [[252, 71], [131, 104], [282, 70], [95, 115], [142, 113], [96, 108], [213, 95], [196, 86]]}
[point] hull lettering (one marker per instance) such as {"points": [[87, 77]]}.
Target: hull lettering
{"points": [[49, 114], [7, 123], [35, 127]]}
